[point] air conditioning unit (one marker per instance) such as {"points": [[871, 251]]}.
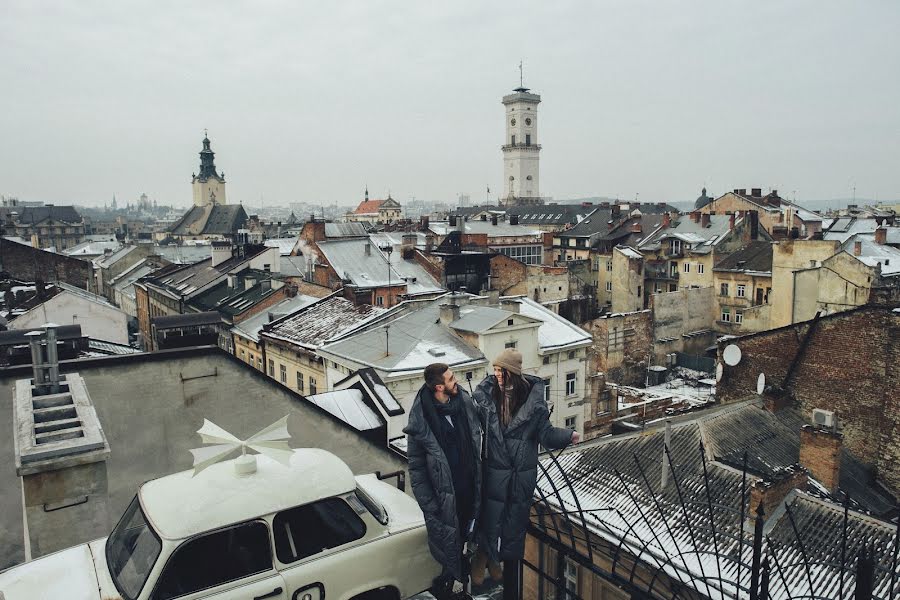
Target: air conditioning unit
{"points": [[823, 418]]}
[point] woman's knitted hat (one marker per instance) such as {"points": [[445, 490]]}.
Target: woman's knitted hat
{"points": [[511, 360]]}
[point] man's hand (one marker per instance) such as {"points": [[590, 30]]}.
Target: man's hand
{"points": [[575, 437]]}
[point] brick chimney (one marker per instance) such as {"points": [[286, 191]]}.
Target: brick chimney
{"points": [[695, 217], [857, 248], [731, 221], [449, 313], [756, 192], [772, 492], [615, 211], [667, 220], [704, 220], [820, 453], [636, 227], [881, 236]]}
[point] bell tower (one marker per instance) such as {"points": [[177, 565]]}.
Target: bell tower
{"points": [[521, 148], [209, 186]]}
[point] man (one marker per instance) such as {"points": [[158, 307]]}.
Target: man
{"points": [[444, 439]]}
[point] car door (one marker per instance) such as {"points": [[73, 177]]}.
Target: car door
{"points": [[314, 543], [233, 563]]}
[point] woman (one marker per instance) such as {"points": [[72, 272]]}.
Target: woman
{"points": [[517, 420]]}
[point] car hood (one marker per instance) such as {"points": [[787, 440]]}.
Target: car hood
{"points": [[403, 511], [68, 574]]}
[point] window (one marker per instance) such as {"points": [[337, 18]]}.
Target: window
{"points": [[312, 385], [547, 390], [738, 317], [513, 142], [252, 360], [271, 368], [132, 550], [571, 572], [570, 383], [571, 422], [283, 372], [242, 355], [723, 289], [259, 363], [572, 354], [609, 286], [527, 139], [673, 287], [674, 247], [741, 290], [639, 292], [379, 301], [546, 360], [216, 558], [687, 267], [300, 382], [673, 269], [509, 321], [307, 530], [509, 345], [726, 315], [700, 268]]}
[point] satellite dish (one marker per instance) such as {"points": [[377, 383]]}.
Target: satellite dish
{"points": [[731, 355], [719, 370], [761, 383]]}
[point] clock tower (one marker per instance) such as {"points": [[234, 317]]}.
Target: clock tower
{"points": [[521, 150], [209, 184]]}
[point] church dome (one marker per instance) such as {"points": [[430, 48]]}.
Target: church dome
{"points": [[703, 200]]}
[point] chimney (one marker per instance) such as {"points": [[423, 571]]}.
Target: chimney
{"points": [[857, 248], [232, 280], [249, 281], [614, 211], [772, 492], [290, 290], [429, 242], [221, 252], [756, 192], [484, 216], [452, 221], [742, 191], [493, 297], [704, 220], [514, 220], [754, 224], [731, 221], [368, 249], [667, 220], [509, 305], [881, 236], [266, 285], [695, 217], [449, 313], [820, 453], [636, 227], [494, 220], [35, 242]]}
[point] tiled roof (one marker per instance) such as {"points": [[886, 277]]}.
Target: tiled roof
{"points": [[368, 207], [319, 321], [755, 256], [35, 214]]}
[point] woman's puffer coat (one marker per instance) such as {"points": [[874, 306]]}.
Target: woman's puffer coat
{"points": [[510, 468], [432, 482]]}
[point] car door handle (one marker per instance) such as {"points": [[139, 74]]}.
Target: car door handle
{"points": [[271, 594]]}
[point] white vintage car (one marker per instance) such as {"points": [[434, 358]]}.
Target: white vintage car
{"points": [[299, 532]]}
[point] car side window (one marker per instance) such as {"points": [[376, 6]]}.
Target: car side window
{"points": [[216, 558], [309, 529]]}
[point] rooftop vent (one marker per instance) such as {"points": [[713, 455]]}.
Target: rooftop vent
{"points": [[436, 352]]}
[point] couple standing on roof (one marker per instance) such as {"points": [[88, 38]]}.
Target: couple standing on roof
{"points": [[473, 465]]}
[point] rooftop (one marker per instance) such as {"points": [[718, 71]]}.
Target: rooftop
{"points": [[316, 322], [367, 269], [250, 328], [349, 406], [755, 256], [501, 229]]}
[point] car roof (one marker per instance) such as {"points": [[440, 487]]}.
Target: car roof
{"points": [[180, 506]]}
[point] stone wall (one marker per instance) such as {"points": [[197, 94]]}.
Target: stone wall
{"points": [[30, 264], [849, 366], [621, 344]]}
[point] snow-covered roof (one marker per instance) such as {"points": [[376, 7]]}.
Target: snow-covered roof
{"points": [[629, 252], [555, 332], [873, 254], [180, 505], [91, 248], [501, 229], [250, 328], [350, 260], [320, 320], [348, 406], [284, 245]]}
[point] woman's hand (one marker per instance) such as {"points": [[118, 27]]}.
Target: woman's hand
{"points": [[575, 437]]}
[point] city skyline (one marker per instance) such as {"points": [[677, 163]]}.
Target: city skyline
{"points": [[633, 106]]}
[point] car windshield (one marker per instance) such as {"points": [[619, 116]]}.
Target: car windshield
{"points": [[131, 551]]}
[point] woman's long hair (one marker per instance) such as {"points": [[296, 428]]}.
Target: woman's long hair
{"points": [[520, 389]]}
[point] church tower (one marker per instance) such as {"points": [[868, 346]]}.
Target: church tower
{"points": [[209, 186], [521, 150]]}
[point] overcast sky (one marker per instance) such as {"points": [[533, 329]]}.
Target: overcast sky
{"points": [[312, 101]]}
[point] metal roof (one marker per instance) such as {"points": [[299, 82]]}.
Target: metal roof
{"points": [[350, 407], [314, 323], [250, 328], [186, 320]]}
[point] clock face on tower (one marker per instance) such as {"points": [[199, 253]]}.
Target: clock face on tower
{"points": [[512, 122]]}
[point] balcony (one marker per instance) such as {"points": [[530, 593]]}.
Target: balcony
{"points": [[520, 146]]}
